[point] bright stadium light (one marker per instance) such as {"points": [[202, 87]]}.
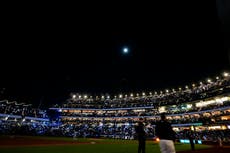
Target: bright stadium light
{"points": [[102, 97], [193, 85], [186, 87], [225, 74], [131, 95], [167, 90], [120, 96], [79, 96], [137, 94], [85, 96], [209, 80], [108, 97], [155, 93], [150, 93], [143, 94], [74, 96], [217, 78]]}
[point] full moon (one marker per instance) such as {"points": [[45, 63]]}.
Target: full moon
{"points": [[125, 50]]}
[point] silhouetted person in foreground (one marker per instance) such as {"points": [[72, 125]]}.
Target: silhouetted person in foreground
{"points": [[141, 135], [166, 135], [191, 140]]}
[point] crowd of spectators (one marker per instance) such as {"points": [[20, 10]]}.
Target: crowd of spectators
{"points": [[21, 109], [148, 112]]}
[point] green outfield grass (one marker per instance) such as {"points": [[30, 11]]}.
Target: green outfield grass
{"points": [[94, 146]]}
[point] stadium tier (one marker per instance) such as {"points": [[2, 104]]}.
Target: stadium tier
{"points": [[203, 107]]}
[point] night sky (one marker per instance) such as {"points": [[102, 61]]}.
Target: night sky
{"points": [[48, 54]]}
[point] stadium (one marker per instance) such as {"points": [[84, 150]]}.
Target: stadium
{"points": [[95, 120], [84, 78]]}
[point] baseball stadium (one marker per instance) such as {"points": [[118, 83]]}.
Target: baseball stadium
{"points": [[86, 123]]}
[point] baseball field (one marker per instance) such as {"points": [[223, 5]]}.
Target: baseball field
{"points": [[30, 144]]}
